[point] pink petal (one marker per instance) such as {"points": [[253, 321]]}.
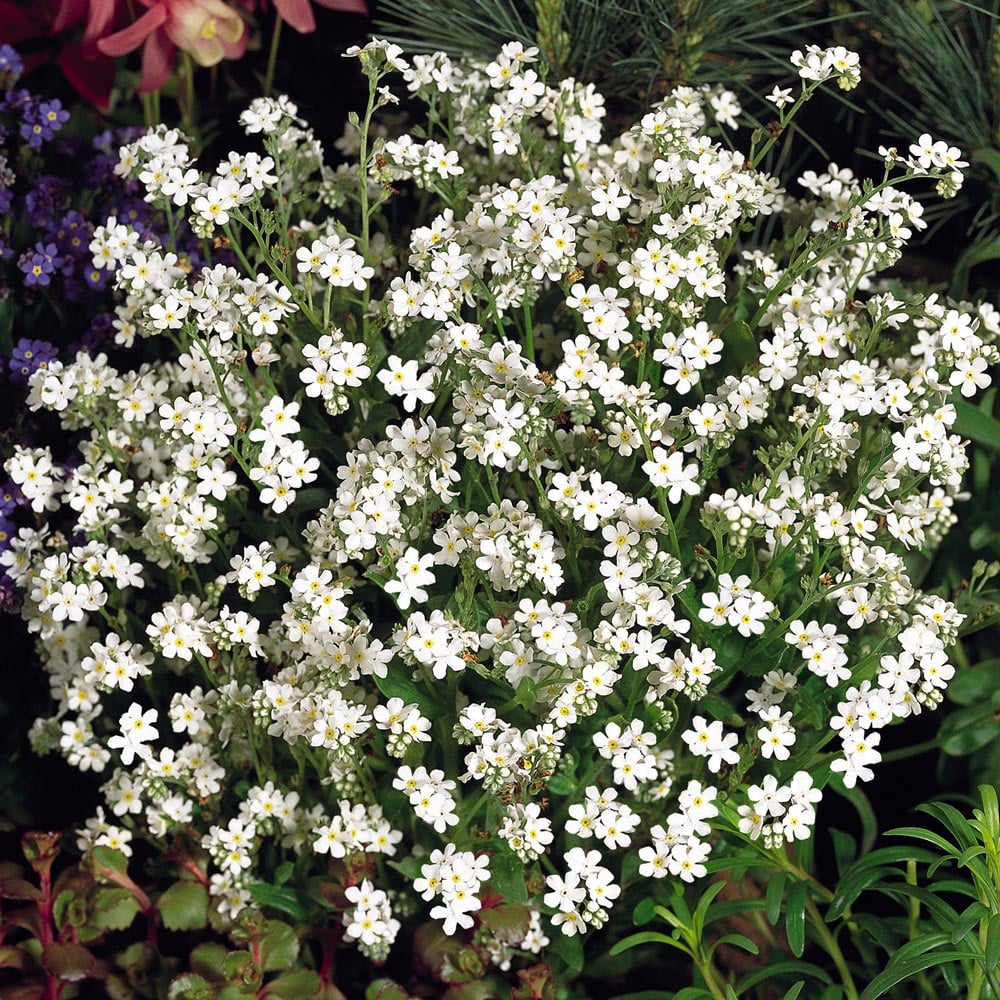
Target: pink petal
{"points": [[130, 38], [69, 12], [297, 13], [102, 13], [157, 62], [346, 6]]}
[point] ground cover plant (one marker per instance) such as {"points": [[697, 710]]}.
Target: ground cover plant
{"points": [[497, 542]]}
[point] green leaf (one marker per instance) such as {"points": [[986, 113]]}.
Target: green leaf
{"points": [[774, 969], [189, 986], [569, 949], [992, 948], [845, 850], [112, 908], [773, 895], [968, 919], [184, 906], [737, 941], [298, 985], [19, 888], [279, 947], [869, 824], [896, 971], [507, 874], [70, 962], [978, 253], [989, 158], [973, 685], [644, 911], [109, 858], [385, 989], [969, 729], [286, 900], [394, 686], [795, 918], [647, 937], [793, 991], [853, 884], [971, 421], [209, 960], [561, 784], [508, 922]]}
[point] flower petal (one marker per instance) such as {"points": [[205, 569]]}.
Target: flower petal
{"points": [[130, 38], [298, 13], [157, 62]]}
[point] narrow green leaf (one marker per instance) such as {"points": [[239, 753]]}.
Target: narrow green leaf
{"points": [[896, 971], [774, 969], [793, 991], [988, 157], [773, 895], [845, 850], [737, 941], [852, 885], [795, 918], [968, 919], [992, 948], [645, 937]]}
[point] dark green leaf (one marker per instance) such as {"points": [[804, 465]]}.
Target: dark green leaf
{"points": [[644, 911], [561, 784], [992, 948], [209, 960], [795, 918], [395, 686], [972, 422], [283, 872], [853, 884], [70, 962], [774, 969], [845, 850], [184, 906], [189, 986], [385, 989], [869, 824], [738, 941], [569, 949], [978, 253], [896, 971], [286, 900], [507, 873], [794, 990], [302, 984], [19, 888], [968, 919], [773, 895], [647, 937], [974, 685]]}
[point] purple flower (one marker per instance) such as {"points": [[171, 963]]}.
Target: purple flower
{"points": [[11, 66], [40, 120], [7, 531], [10, 498], [28, 356], [38, 263]]}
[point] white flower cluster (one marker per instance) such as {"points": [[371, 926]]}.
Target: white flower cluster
{"points": [[601, 477]]}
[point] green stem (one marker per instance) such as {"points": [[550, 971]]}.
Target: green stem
{"points": [[272, 55], [832, 949]]}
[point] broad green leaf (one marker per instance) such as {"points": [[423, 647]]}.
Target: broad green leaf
{"points": [[209, 960], [508, 922], [109, 858], [973, 685], [570, 950], [69, 962], [972, 422], [395, 686], [189, 986], [644, 911], [385, 989], [184, 906], [286, 900], [301, 984], [795, 918], [279, 947], [112, 908], [507, 875]]}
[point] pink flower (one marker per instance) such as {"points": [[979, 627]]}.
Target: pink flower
{"points": [[208, 30], [298, 13]]}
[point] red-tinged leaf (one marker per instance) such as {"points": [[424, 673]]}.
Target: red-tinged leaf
{"points": [[25, 991], [69, 961], [19, 888], [40, 849], [12, 958], [26, 917], [536, 983]]}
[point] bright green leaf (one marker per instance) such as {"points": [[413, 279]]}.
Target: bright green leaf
{"points": [[896, 971], [972, 422], [279, 947], [507, 875]]}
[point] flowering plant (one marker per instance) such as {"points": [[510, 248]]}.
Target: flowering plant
{"points": [[511, 579]]}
